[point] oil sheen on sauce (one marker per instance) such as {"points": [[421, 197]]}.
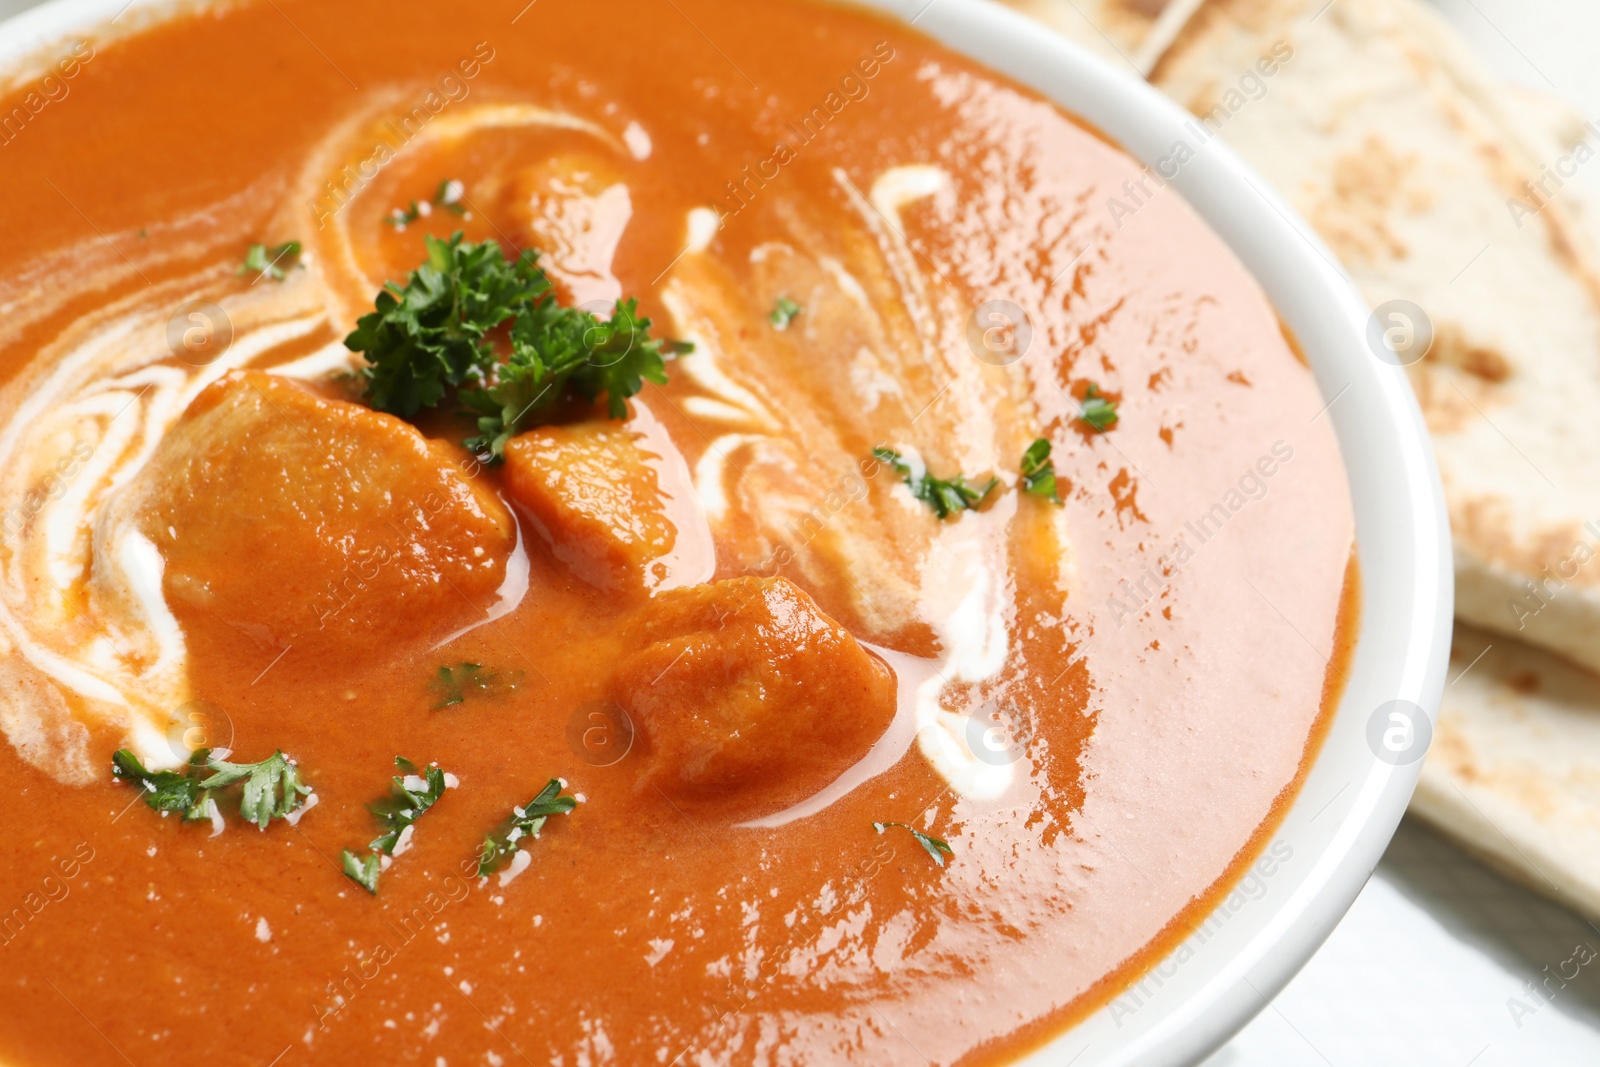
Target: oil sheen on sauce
{"points": [[1102, 707]]}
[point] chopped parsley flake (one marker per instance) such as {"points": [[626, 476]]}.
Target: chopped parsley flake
{"points": [[412, 793], [945, 496], [525, 822], [447, 196], [271, 262], [431, 337], [1039, 471], [784, 313], [455, 684], [362, 870], [271, 788], [932, 845], [1099, 412]]}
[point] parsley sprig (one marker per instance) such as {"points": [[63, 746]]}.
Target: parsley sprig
{"points": [[432, 336], [411, 793], [271, 788], [525, 822], [933, 846], [946, 496], [1039, 471]]}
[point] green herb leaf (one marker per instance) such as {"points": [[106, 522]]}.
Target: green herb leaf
{"points": [[932, 845], [525, 822], [945, 496], [557, 352], [168, 791], [455, 684], [1039, 471], [1097, 411], [432, 336], [448, 196], [784, 313], [273, 262], [272, 788], [362, 870], [401, 219], [410, 795]]}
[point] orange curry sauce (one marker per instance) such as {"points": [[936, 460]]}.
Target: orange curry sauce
{"points": [[1171, 636]]}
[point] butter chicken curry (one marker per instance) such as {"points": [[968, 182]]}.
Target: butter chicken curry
{"points": [[638, 533]]}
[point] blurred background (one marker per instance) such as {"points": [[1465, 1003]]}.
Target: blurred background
{"points": [[1434, 965]]}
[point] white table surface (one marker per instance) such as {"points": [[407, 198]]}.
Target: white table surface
{"points": [[1433, 965]]}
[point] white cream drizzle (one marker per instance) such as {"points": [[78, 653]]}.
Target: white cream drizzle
{"points": [[102, 635], [113, 386]]}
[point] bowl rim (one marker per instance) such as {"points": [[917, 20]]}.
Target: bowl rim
{"points": [[1402, 532]]}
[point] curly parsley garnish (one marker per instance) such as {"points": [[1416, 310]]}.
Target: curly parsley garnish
{"points": [[411, 794], [932, 845], [944, 496], [525, 822], [272, 787], [455, 684], [270, 262], [557, 352], [431, 336], [1039, 471], [784, 313], [1099, 412]]}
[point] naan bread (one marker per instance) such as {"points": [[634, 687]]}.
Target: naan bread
{"points": [[1132, 32], [1385, 134], [1514, 771]]}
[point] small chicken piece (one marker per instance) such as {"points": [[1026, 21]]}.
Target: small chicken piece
{"points": [[747, 695], [596, 493], [296, 518]]}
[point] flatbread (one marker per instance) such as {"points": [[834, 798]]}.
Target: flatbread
{"points": [[1514, 771], [1134, 33], [1383, 131]]}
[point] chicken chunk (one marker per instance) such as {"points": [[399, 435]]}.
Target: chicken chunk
{"points": [[747, 695], [296, 518], [596, 492]]}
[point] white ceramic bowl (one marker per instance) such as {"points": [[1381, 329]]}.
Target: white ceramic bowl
{"points": [[1338, 826]]}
